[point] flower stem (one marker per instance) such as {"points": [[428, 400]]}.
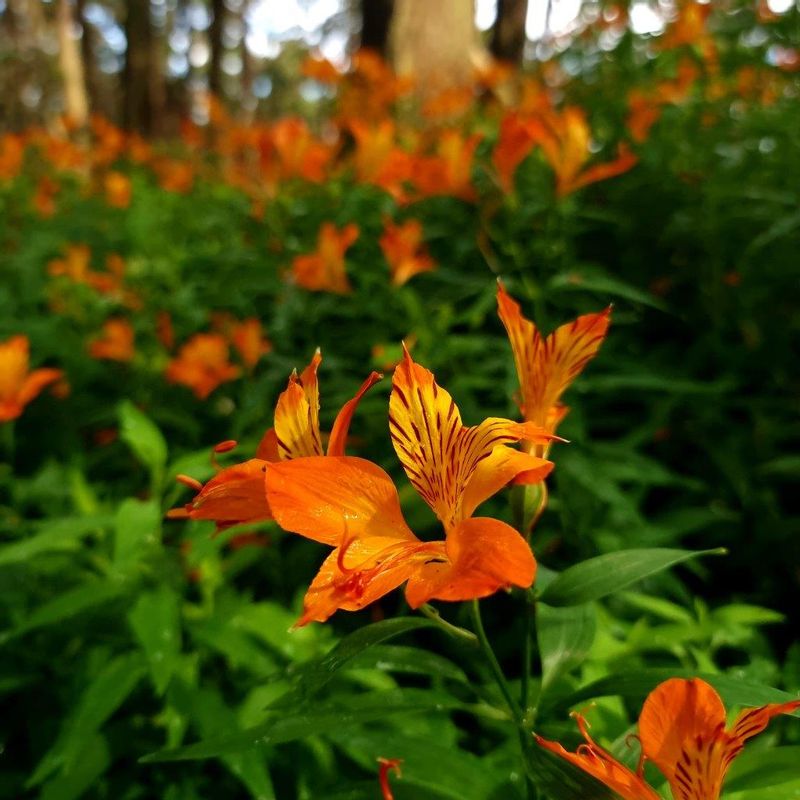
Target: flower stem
{"points": [[452, 630], [494, 665]]}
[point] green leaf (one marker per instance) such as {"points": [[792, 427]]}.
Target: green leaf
{"points": [[155, 620], [137, 526], [636, 685], [596, 280], [759, 769], [142, 435], [92, 761], [408, 661], [70, 603], [311, 677], [603, 575], [100, 699], [565, 637], [61, 534], [443, 768], [288, 726]]}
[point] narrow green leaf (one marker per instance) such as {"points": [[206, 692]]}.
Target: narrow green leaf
{"points": [[311, 677], [59, 534], [155, 620], [759, 769], [594, 279], [137, 526], [408, 661], [565, 637], [69, 604], [288, 726], [603, 575], [142, 435], [93, 760], [100, 699]]}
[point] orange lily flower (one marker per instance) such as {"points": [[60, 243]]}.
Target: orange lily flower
{"points": [[449, 171], [249, 341], [12, 153], [115, 343], [118, 189], [324, 270], [565, 138], [202, 364], [19, 385], [517, 139], [44, 201], [237, 493], [682, 731], [547, 365], [378, 159], [299, 152], [352, 505], [404, 249]]}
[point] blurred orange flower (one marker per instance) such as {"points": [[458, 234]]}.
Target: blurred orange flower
{"points": [[547, 365], [565, 138], [116, 342], [300, 154], [245, 335], [18, 384], [118, 189], [237, 494], [352, 505], [403, 248], [12, 151], [682, 730], [449, 171], [202, 364], [44, 201], [324, 270], [518, 136]]}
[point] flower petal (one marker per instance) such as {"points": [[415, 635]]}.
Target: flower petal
{"points": [[36, 381], [482, 556], [341, 425], [297, 414], [501, 467], [601, 765], [438, 453], [361, 571], [547, 365], [682, 730], [333, 499], [235, 494]]}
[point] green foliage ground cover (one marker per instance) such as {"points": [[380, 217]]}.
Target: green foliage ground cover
{"points": [[124, 635]]}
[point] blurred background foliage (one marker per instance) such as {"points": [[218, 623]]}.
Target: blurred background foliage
{"points": [[167, 172]]}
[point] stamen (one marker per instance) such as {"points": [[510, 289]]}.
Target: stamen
{"points": [[192, 483], [222, 447]]}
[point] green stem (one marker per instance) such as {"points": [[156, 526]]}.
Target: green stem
{"points": [[452, 630], [494, 665]]}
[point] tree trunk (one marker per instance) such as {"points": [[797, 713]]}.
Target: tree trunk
{"points": [[376, 17], [436, 43], [216, 46], [137, 107], [88, 44], [508, 36], [76, 103]]}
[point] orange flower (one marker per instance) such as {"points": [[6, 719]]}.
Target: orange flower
{"points": [[18, 385], [249, 340], [352, 505], [403, 248], [547, 365], [12, 152], [118, 190], [321, 70], [449, 172], [565, 138], [44, 201], [300, 154], [202, 364], [324, 270], [517, 139], [682, 731], [115, 342], [237, 494]]}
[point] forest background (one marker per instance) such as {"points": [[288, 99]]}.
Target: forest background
{"points": [[196, 195]]}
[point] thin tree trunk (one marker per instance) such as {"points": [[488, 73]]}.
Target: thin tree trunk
{"points": [[247, 101], [376, 17], [88, 42], [137, 107], [508, 36], [436, 42], [216, 47], [76, 103]]}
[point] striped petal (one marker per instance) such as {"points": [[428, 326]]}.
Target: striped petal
{"points": [[547, 365], [439, 454], [297, 415]]}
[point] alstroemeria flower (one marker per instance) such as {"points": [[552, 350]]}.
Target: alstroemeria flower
{"points": [[18, 384], [352, 505], [404, 248], [547, 365], [237, 494], [116, 341], [682, 729], [324, 270], [202, 364]]}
